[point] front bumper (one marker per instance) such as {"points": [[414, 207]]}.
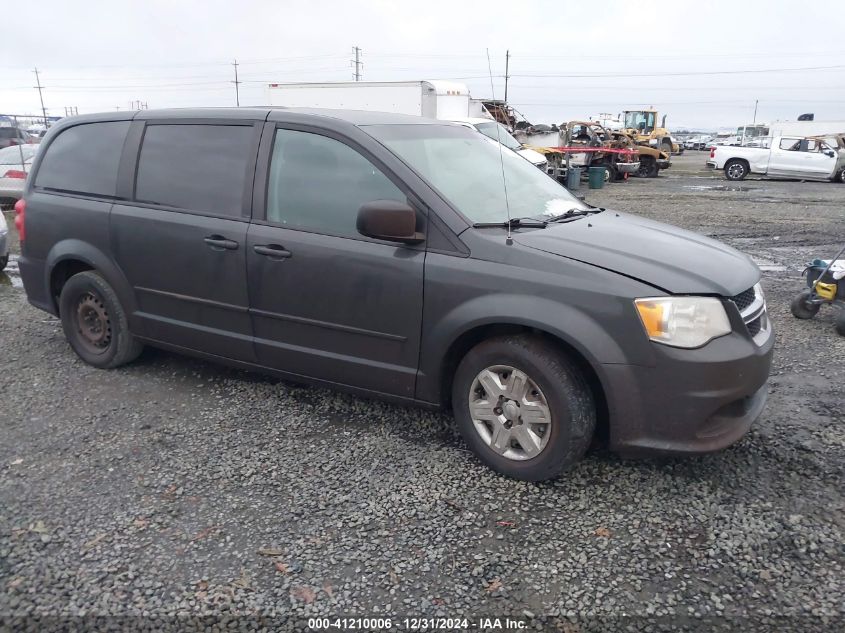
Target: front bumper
{"points": [[628, 168], [690, 401]]}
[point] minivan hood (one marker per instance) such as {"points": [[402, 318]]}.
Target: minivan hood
{"points": [[661, 255]]}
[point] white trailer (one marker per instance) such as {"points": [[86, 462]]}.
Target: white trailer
{"points": [[435, 99]]}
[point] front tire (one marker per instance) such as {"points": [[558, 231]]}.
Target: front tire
{"points": [[95, 323], [523, 408], [648, 167], [736, 169], [801, 308]]}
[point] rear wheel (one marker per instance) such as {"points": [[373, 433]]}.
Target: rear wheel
{"points": [[840, 322], [666, 147], [801, 307], [4, 261], [523, 408], [95, 323], [736, 169], [611, 173]]}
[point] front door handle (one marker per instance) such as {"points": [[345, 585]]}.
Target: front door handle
{"points": [[273, 251], [218, 242]]}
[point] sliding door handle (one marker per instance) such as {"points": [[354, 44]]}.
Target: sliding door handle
{"points": [[273, 251]]}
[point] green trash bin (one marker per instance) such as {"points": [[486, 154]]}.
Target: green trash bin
{"points": [[596, 177], [573, 178]]}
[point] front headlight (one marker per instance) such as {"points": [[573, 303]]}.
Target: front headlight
{"points": [[683, 321]]}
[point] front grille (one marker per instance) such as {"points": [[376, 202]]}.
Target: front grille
{"points": [[752, 309], [743, 299]]}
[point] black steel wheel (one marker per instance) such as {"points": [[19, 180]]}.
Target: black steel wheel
{"points": [[95, 323]]}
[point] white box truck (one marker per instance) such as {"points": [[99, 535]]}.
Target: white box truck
{"points": [[435, 99]]}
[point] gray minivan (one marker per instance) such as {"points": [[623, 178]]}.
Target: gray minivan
{"points": [[372, 252]]}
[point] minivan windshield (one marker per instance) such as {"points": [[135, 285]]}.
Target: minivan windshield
{"points": [[466, 168]]}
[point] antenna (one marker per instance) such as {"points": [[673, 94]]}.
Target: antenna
{"points": [[509, 239]]}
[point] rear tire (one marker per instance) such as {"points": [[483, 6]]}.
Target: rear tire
{"points": [[509, 377], [95, 323], [801, 309], [666, 147], [4, 261], [736, 169], [840, 322]]}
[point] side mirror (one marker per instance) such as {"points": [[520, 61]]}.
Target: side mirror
{"points": [[829, 153], [389, 220]]}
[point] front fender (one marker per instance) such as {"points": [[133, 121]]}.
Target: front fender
{"points": [[568, 323]]}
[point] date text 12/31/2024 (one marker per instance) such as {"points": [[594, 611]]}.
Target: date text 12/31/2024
{"points": [[416, 624]]}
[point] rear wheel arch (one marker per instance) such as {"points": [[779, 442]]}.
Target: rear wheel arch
{"points": [[70, 257]]}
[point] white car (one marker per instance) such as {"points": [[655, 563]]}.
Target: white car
{"points": [[787, 157], [15, 163], [4, 242], [498, 132]]}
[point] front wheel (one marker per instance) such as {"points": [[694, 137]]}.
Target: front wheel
{"points": [[648, 167], [801, 307], [523, 408], [840, 177], [736, 169], [95, 323]]}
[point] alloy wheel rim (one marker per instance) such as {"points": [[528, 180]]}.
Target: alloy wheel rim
{"points": [[92, 323], [736, 171], [510, 413]]}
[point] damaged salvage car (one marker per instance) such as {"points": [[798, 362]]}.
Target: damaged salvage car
{"points": [[380, 253]]}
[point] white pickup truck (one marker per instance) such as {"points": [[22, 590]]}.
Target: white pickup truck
{"points": [[785, 157]]}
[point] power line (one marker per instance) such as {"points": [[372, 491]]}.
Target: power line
{"points": [[686, 74]]}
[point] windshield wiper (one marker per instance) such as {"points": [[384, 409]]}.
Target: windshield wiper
{"points": [[514, 223], [572, 214]]}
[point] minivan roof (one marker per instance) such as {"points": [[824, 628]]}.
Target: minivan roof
{"points": [[354, 117]]}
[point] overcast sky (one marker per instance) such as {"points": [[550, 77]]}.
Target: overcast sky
{"points": [[101, 55]]}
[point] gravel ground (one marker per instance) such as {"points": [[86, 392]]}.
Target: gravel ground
{"points": [[178, 489]]}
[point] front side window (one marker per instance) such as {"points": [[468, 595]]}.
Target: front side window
{"points": [[317, 183], [195, 167], [84, 159]]}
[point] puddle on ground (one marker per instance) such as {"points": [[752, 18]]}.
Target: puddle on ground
{"points": [[11, 275], [716, 188]]}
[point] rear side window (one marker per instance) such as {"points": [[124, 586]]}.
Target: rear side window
{"points": [[195, 167], [84, 159]]}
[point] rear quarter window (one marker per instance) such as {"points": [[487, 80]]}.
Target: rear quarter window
{"points": [[84, 159]]}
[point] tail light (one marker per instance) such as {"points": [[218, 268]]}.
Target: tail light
{"points": [[20, 215], [15, 173], [712, 152]]}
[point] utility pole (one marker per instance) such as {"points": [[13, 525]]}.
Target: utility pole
{"points": [[40, 96], [358, 63], [756, 101], [237, 84], [507, 60]]}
